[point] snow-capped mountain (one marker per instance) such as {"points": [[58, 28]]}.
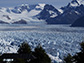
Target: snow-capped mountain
{"points": [[71, 12], [75, 3], [25, 12], [28, 13], [48, 12]]}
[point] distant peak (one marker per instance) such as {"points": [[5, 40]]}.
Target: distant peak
{"points": [[74, 3], [24, 5], [41, 4]]}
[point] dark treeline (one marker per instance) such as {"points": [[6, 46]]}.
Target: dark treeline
{"points": [[39, 54]]}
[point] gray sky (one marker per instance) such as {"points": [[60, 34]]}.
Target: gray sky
{"points": [[11, 3]]}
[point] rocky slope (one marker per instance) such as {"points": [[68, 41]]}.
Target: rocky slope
{"points": [[79, 22]]}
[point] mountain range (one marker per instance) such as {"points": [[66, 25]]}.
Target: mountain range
{"points": [[71, 12], [42, 13], [23, 12]]}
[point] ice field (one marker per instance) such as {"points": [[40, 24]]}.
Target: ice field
{"points": [[57, 40]]}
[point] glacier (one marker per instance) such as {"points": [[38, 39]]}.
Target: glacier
{"points": [[57, 40]]}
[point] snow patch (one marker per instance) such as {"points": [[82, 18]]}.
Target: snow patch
{"points": [[77, 12], [52, 13], [42, 5], [57, 59], [60, 10]]}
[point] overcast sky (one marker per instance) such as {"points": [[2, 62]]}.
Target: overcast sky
{"points": [[12, 3]]}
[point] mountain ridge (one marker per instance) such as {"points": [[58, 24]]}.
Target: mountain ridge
{"points": [[44, 12]]}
